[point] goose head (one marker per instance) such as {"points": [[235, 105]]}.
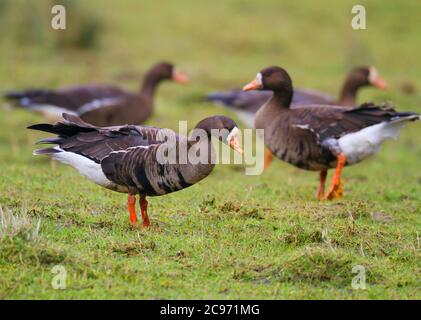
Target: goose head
{"points": [[224, 128]]}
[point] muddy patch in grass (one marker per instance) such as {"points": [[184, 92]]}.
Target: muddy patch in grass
{"points": [[134, 248], [299, 236]]}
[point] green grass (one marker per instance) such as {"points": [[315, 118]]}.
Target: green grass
{"points": [[231, 235]]}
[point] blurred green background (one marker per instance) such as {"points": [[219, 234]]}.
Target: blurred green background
{"points": [[221, 43], [231, 236]]}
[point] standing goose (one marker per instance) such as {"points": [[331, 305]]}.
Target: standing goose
{"points": [[246, 104], [320, 137], [101, 105], [127, 158]]}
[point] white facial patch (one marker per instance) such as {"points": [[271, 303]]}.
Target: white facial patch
{"points": [[233, 134], [373, 74], [259, 79]]}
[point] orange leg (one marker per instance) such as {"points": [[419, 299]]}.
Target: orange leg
{"points": [[144, 208], [335, 190], [321, 193], [268, 159], [131, 203]]}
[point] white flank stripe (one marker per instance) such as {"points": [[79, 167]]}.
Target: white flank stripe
{"points": [[131, 148], [49, 110], [97, 104]]}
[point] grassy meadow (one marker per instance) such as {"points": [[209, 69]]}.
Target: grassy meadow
{"points": [[231, 236]]}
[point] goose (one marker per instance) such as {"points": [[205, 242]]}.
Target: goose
{"points": [[99, 104], [321, 137], [131, 159], [246, 103]]}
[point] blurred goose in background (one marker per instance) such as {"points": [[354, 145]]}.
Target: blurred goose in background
{"points": [[245, 104], [101, 105], [125, 158], [320, 137]]}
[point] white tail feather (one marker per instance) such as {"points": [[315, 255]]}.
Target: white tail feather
{"points": [[361, 144]]}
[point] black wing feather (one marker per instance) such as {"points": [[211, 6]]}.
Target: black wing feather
{"points": [[335, 122], [96, 143]]}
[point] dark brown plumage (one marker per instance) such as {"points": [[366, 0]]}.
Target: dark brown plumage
{"points": [[247, 103], [127, 158], [101, 105], [314, 137]]}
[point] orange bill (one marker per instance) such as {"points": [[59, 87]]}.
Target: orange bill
{"points": [[380, 83], [254, 85], [180, 77], [234, 143]]}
